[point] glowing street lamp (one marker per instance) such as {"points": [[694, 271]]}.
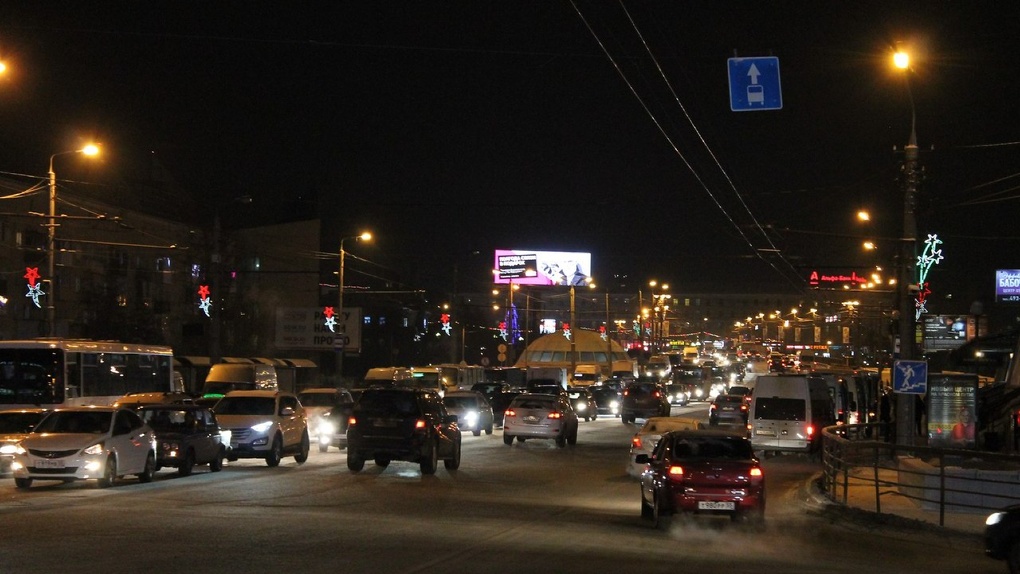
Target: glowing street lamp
{"points": [[366, 236], [51, 237]]}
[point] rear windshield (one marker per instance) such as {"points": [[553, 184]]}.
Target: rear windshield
{"points": [[722, 447], [383, 403], [318, 399], [532, 403], [638, 390], [461, 402], [777, 409], [736, 399]]}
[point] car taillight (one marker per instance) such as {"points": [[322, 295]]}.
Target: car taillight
{"points": [[676, 472], [756, 474], [810, 430], [657, 394], [556, 415], [743, 407], [509, 413], [627, 392], [351, 421], [636, 442], [420, 424], [712, 408]]}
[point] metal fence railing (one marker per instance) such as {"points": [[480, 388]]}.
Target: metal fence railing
{"points": [[946, 480]]}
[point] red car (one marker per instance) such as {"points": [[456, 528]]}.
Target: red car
{"points": [[702, 472]]}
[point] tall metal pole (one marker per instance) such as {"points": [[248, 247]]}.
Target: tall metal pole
{"points": [[51, 240], [573, 338], [609, 340], [343, 319], [906, 427]]}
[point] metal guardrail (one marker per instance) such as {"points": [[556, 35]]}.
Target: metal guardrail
{"points": [[856, 456]]}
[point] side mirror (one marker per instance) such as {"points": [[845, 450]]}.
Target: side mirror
{"points": [[287, 411]]}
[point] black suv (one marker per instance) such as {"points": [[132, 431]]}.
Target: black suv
{"points": [[643, 399], [402, 424]]}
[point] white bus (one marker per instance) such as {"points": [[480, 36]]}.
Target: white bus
{"points": [[71, 372]]}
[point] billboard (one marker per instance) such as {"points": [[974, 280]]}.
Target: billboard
{"points": [[952, 411], [944, 332], [1007, 286], [531, 267]]}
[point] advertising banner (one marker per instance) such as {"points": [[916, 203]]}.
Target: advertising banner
{"points": [[944, 332], [531, 267], [952, 411], [1007, 286]]}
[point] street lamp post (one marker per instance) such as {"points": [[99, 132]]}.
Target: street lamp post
{"points": [[366, 236], [905, 424], [51, 239]]}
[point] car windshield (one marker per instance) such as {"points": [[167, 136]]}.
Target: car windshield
{"points": [[532, 403], [318, 399], [246, 406], [734, 448], [774, 408], [18, 423], [605, 393], [94, 422], [169, 420], [461, 402], [732, 399], [383, 403], [639, 390]]}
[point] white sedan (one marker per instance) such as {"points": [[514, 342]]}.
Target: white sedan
{"points": [[644, 440], [86, 443]]}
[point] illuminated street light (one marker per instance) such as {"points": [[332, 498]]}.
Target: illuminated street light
{"points": [[51, 238], [366, 236]]}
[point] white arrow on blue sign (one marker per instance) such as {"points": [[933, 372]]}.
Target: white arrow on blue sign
{"points": [[754, 84], [910, 377]]}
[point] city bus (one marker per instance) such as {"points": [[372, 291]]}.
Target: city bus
{"points": [[51, 373]]}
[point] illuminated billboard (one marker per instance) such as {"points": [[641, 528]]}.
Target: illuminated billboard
{"points": [[1007, 285], [530, 267]]}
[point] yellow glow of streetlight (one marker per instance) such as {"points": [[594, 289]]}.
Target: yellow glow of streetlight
{"points": [[869, 245], [3, 67], [91, 149], [366, 236], [901, 60], [863, 215]]}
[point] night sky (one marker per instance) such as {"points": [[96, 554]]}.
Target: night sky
{"points": [[453, 128]]}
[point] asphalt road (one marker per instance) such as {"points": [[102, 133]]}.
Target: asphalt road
{"points": [[525, 508]]}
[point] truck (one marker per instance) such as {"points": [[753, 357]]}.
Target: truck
{"points": [[547, 376]]}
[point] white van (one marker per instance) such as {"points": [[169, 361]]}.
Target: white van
{"points": [[659, 366], [226, 377], [385, 376], [788, 413]]}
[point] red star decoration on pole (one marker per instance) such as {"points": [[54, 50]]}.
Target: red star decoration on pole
{"points": [[328, 312], [203, 291], [31, 273]]}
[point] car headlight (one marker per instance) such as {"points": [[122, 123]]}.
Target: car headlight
{"points": [[327, 428], [581, 406], [9, 449], [94, 449], [262, 427], [614, 404], [994, 518], [471, 417]]}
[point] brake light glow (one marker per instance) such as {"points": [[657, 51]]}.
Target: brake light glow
{"points": [[419, 424], [509, 413], [810, 430], [676, 472], [556, 415], [657, 394], [743, 407], [756, 472], [636, 442], [351, 421]]}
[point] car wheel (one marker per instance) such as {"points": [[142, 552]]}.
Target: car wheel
{"points": [[275, 453], [594, 416], [572, 438], [23, 482], [661, 518], [508, 439], [302, 456], [430, 461], [382, 461], [216, 464], [187, 463], [477, 431], [561, 441], [109, 473], [587, 418], [150, 469], [355, 462], [323, 447], [488, 429], [453, 463], [647, 512], [520, 439]]}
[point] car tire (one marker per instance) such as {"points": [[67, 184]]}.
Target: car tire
{"points": [[595, 416], [430, 461], [323, 447], [488, 429], [23, 482], [302, 455], [453, 463], [275, 453], [647, 512], [572, 437], [661, 518], [109, 474], [187, 463], [382, 461], [150, 469], [216, 464], [520, 439], [561, 441], [508, 439], [477, 431], [355, 461]]}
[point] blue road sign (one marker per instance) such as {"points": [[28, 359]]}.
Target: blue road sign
{"points": [[754, 84], [910, 377]]}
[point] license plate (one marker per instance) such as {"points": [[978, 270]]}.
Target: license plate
{"points": [[727, 408], [765, 433], [49, 463], [531, 419], [385, 423], [709, 505]]}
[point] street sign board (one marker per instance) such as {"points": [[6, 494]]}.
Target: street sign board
{"points": [[754, 84], [910, 377]]}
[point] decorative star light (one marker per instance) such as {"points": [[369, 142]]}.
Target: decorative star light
{"points": [[931, 256], [502, 330], [31, 273], [330, 319], [445, 320], [35, 291], [205, 302], [602, 333], [566, 331]]}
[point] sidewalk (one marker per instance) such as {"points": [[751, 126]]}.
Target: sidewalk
{"points": [[861, 497]]}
